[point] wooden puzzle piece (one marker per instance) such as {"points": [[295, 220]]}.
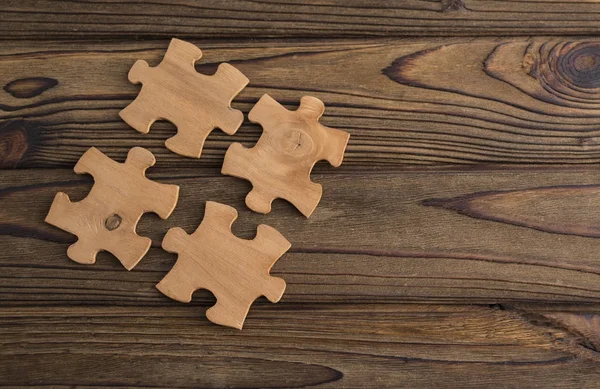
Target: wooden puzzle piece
{"points": [[235, 270], [195, 103], [279, 165], [106, 219]]}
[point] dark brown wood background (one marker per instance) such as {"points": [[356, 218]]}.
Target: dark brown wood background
{"points": [[457, 246]]}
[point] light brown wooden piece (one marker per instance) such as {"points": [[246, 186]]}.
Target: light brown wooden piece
{"points": [[235, 270], [279, 165], [106, 219], [195, 103]]}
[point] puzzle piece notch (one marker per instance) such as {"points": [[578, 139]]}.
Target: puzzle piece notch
{"points": [[279, 165], [235, 270], [107, 217], [195, 103]]}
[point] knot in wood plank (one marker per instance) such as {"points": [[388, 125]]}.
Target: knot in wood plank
{"points": [[558, 72], [25, 88], [13, 144]]}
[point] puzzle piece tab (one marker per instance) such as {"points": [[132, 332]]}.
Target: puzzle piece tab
{"points": [[235, 270], [195, 103], [279, 165], [106, 219]]}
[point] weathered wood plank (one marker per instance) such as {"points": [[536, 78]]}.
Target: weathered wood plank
{"points": [[414, 101], [109, 19], [399, 346], [404, 236]]}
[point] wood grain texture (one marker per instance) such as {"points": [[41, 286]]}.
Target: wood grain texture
{"points": [[109, 19], [404, 102], [542, 208], [351, 346], [374, 237], [413, 272]]}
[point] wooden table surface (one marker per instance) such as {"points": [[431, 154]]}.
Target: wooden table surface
{"points": [[457, 246]]}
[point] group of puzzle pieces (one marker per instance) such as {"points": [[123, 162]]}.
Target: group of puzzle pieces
{"points": [[235, 270]]}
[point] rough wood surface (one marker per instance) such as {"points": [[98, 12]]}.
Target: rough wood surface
{"points": [[220, 19], [457, 246], [295, 346], [440, 236], [411, 101]]}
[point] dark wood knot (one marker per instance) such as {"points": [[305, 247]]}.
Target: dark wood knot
{"points": [[113, 222], [558, 72], [13, 144], [578, 64], [25, 88], [453, 5]]}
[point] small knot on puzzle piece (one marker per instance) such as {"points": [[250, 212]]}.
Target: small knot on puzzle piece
{"points": [[235, 270], [113, 222], [107, 217], [279, 165], [195, 103]]}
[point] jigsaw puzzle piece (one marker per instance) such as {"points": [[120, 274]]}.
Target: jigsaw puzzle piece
{"points": [[220, 216], [148, 191], [94, 233], [231, 309], [268, 113], [311, 108], [140, 159], [258, 199], [235, 270], [182, 54], [195, 103], [304, 195], [229, 313], [147, 108], [129, 247], [272, 245], [105, 220], [230, 82], [279, 165], [82, 252], [95, 163], [185, 142], [336, 141], [211, 113], [179, 283], [139, 72], [67, 215]]}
